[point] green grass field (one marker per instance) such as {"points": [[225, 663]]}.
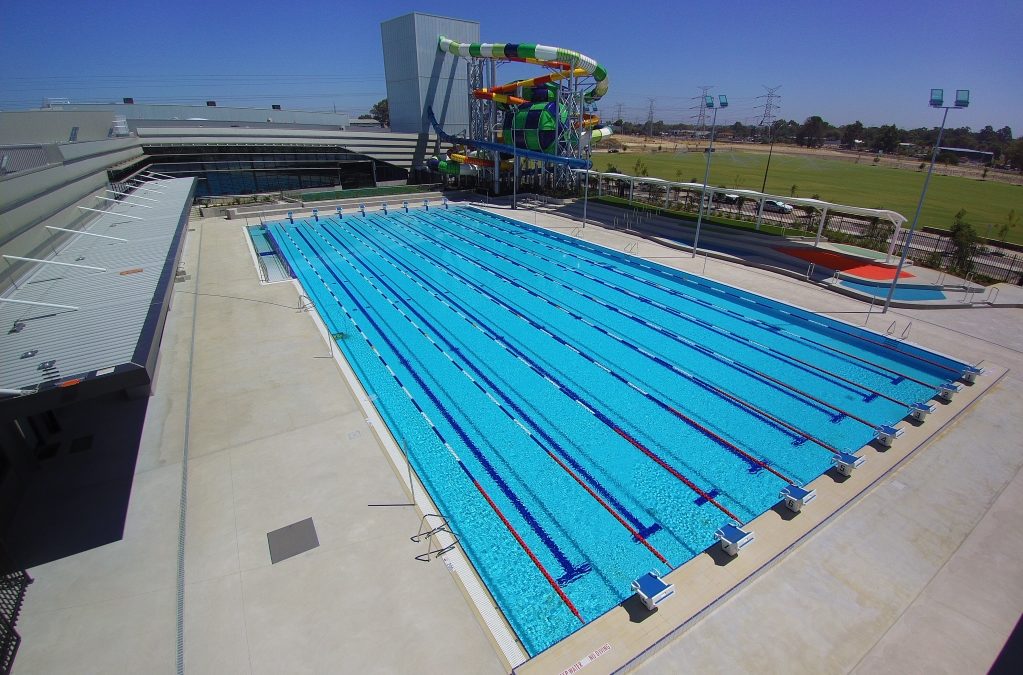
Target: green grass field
{"points": [[842, 182]]}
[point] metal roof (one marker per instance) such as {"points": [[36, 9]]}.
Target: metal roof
{"points": [[118, 308], [970, 150]]}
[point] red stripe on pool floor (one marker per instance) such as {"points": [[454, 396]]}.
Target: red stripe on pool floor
{"points": [[843, 263]]}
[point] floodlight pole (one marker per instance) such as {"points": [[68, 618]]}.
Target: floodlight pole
{"points": [[706, 172], [763, 187], [586, 186], [935, 103]]}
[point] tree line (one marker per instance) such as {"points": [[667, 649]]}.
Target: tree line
{"points": [[814, 131]]}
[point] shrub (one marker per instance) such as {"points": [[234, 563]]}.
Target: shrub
{"points": [[965, 241]]}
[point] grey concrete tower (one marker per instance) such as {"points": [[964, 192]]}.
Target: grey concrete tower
{"points": [[420, 76]]}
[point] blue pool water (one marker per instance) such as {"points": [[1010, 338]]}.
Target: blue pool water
{"points": [[581, 416], [901, 292]]}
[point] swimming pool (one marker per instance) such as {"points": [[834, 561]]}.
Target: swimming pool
{"points": [[581, 416]]}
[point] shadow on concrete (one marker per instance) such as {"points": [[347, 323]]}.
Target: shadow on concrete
{"points": [[878, 445], [74, 491], [718, 555], [638, 613], [834, 475], [784, 512]]}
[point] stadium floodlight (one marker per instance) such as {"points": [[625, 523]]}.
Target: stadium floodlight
{"points": [[722, 103], [937, 101]]}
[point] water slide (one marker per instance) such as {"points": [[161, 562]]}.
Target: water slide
{"points": [[532, 117]]}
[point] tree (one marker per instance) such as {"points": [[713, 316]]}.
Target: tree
{"points": [[811, 133], [964, 243], [887, 139], [381, 113], [1014, 154], [851, 133], [1010, 222]]}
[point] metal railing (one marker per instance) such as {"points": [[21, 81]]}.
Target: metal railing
{"points": [[429, 534], [13, 584]]}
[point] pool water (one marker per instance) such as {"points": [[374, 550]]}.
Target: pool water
{"points": [[901, 292], [581, 416]]}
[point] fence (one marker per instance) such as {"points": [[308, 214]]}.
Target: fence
{"points": [[13, 583]]}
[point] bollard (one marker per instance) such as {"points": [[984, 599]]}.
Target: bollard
{"points": [[316, 215], [385, 208], [362, 207], [426, 205], [340, 213], [405, 204], [291, 218]]}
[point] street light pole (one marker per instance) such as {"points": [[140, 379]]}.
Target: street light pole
{"points": [[723, 100], [937, 101], [763, 188]]}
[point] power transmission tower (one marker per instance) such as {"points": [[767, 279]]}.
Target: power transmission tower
{"points": [[769, 105], [701, 108], [650, 119], [768, 120], [618, 112]]}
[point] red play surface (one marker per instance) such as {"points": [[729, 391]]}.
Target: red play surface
{"points": [[837, 261]]}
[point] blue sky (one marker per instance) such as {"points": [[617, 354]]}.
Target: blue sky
{"points": [[864, 60]]}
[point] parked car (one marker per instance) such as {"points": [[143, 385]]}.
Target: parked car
{"points": [[720, 198], [775, 206]]}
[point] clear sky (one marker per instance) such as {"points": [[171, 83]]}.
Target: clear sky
{"points": [[868, 60]]}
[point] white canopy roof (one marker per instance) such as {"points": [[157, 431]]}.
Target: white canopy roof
{"points": [[887, 214]]}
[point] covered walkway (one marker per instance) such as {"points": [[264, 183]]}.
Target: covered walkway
{"points": [[605, 180]]}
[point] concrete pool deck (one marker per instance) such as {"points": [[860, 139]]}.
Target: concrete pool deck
{"points": [[924, 571]]}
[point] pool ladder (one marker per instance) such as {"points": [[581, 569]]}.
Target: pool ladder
{"points": [[428, 534], [905, 331]]}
